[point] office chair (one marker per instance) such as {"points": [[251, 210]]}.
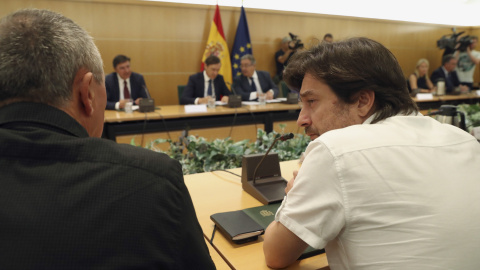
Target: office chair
{"points": [[180, 89]]}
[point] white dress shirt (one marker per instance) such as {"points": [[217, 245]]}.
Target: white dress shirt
{"points": [[205, 91], [402, 193], [121, 85]]}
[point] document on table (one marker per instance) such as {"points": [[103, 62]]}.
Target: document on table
{"points": [[195, 108], [424, 96], [277, 100]]}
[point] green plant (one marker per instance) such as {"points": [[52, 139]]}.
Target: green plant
{"points": [[472, 114], [197, 154]]}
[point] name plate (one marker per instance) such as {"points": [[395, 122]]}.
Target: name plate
{"points": [[195, 108], [424, 96]]}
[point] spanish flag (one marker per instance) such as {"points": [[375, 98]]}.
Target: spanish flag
{"points": [[217, 45]]}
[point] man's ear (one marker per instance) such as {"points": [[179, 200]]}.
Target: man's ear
{"points": [[87, 95], [365, 102]]}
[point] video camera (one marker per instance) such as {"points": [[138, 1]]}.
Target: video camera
{"points": [[296, 43], [451, 41]]}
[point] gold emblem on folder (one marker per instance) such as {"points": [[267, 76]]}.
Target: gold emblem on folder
{"points": [[266, 213]]}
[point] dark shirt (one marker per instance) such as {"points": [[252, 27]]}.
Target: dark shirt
{"points": [[421, 82], [281, 66], [69, 201]]}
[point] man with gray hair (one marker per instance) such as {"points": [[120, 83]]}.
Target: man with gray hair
{"points": [[69, 199], [253, 83]]}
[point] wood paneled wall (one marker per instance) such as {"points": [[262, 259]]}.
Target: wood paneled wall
{"points": [[166, 41]]}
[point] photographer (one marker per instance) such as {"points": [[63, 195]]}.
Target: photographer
{"points": [[468, 58], [281, 58], [287, 49]]}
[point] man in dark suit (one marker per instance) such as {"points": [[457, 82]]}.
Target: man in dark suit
{"points": [[124, 85], [447, 73], [69, 199], [253, 82], [208, 83]]}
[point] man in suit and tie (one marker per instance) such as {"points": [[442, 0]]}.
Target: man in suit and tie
{"points": [[123, 85], [253, 82], [448, 74], [208, 83]]}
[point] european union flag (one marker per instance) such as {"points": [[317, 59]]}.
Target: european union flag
{"points": [[241, 45]]}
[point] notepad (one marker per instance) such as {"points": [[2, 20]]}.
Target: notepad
{"points": [[237, 226], [246, 225]]}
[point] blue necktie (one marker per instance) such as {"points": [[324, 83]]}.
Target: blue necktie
{"points": [[252, 86], [209, 90], [449, 83]]}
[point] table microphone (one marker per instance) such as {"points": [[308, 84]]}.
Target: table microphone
{"points": [[282, 138], [234, 101], [146, 104]]}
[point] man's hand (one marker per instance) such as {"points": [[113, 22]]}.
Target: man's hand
{"points": [[290, 183], [121, 103], [224, 99], [203, 100], [463, 88], [137, 101], [269, 95]]}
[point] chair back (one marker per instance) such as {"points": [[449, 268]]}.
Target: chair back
{"points": [[284, 89], [180, 89]]}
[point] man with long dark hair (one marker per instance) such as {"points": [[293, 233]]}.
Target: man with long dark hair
{"points": [[381, 186]]}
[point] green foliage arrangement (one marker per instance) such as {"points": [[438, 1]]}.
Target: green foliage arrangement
{"points": [[197, 154], [472, 114]]}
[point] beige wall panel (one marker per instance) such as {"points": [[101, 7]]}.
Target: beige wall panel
{"points": [[151, 57], [166, 41], [163, 87]]}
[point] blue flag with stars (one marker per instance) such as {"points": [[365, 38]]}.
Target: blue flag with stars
{"points": [[241, 45]]}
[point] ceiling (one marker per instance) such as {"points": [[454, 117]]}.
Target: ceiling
{"points": [[445, 12]]}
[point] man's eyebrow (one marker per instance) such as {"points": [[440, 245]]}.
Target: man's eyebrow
{"points": [[306, 93]]}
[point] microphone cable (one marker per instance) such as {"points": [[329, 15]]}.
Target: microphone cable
{"points": [[223, 170], [254, 120], [164, 125], [233, 123], [145, 126], [143, 130]]}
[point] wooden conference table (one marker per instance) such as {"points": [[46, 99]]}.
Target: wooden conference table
{"points": [[174, 118], [217, 122], [219, 191], [435, 102]]}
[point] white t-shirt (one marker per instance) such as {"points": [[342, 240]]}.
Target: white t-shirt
{"points": [[403, 193], [465, 67]]}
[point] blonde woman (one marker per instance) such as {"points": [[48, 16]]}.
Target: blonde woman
{"points": [[419, 81]]}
